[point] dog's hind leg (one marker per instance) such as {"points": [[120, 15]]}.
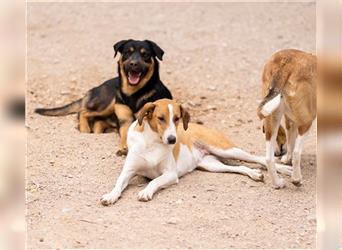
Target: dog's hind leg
{"points": [[303, 132], [212, 164], [84, 123], [239, 154], [291, 135]]}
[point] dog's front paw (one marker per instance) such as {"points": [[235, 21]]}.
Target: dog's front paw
{"points": [[257, 175], [109, 199], [145, 195], [122, 152]]}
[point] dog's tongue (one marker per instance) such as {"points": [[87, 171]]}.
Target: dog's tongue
{"points": [[134, 78]]}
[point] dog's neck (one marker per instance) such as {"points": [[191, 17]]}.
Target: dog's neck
{"points": [[129, 90], [151, 136]]}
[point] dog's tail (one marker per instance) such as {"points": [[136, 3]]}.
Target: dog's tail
{"points": [[68, 109], [273, 98]]}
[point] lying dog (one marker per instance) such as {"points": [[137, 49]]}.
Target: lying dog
{"points": [[118, 99], [161, 150], [289, 89]]}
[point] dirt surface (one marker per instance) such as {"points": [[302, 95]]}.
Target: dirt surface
{"points": [[213, 62]]}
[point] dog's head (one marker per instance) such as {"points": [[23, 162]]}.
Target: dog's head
{"points": [[280, 147], [163, 117], [137, 62]]}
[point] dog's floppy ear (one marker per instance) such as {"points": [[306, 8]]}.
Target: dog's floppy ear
{"points": [[158, 52], [118, 47], [147, 110], [185, 117]]}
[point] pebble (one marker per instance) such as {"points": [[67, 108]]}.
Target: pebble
{"points": [[193, 104], [172, 221], [65, 210], [212, 88], [211, 107]]}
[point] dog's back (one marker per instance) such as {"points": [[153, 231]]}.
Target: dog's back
{"points": [[290, 75]]}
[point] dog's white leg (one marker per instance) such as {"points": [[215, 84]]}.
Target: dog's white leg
{"points": [[239, 154], [166, 179], [297, 152], [127, 173], [212, 164], [272, 124], [291, 134]]}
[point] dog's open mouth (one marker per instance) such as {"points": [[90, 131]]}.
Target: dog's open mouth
{"points": [[134, 77]]}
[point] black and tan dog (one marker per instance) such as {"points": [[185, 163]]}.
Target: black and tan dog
{"points": [[117, 100]]}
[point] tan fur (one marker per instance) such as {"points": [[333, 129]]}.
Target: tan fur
{"points": [[159, 109], [125, 117], [83, 123], [294, 74], [128, 89], [100, 126], [105, 112], [188, 134]]}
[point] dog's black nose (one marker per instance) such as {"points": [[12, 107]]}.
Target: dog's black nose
{"points": [[171, 139], [133, 63]]}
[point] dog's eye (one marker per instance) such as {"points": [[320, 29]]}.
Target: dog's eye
{"points": [[160, 118], [176, 119]]}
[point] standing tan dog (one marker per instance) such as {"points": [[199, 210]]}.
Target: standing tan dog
{"points": [[289, 89], [163, 151]]}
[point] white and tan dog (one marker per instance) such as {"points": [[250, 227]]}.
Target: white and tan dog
{"points": [[289, 89], [163, 151]]}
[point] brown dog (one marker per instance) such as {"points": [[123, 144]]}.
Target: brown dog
{"points": [[289, 89]]}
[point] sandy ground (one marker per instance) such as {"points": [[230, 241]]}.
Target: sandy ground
{"points": [[213, 62]]}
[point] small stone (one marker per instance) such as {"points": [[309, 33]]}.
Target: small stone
{"points": [[212, 88], [172, 221], [41, 240], [65, 210], [210, 107]]}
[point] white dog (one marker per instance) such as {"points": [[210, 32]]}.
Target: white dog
{"points": [[163, 151]]}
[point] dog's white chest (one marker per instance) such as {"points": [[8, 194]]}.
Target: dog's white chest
{"points": [[153, 154]]}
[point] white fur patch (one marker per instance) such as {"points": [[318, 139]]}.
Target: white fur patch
{"points": [[171, 130], [271, 105]]}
